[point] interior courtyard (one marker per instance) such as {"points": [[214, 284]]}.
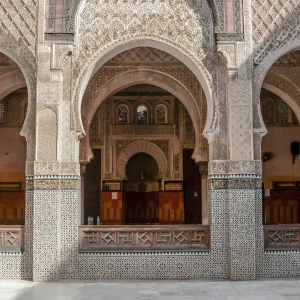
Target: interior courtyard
{"points": [[149, 140]]}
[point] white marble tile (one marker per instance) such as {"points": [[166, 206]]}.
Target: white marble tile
{"points": [[255, 297]]}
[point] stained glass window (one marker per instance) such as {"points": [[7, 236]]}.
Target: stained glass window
{"points": [[283, 112], [122, 114], [1, 112], [141, 114], [161, 114]]}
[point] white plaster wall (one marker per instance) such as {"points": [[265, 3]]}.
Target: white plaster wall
{"points": [[278, 141]]}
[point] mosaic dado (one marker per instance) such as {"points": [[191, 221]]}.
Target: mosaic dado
{"points": [[235, 183], [61, 183]]}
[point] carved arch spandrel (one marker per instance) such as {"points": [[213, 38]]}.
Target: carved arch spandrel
{"points": [[142, 147], [202, 73]]}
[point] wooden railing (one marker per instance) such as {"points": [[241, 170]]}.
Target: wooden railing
{"points": [[145, 238], [282, 237], [11, 238]]}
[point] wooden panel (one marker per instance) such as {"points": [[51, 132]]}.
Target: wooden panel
{"points": [[12, 208], [142, 207], [282, 207], [111, 209], [282, 237], [171, 208]]}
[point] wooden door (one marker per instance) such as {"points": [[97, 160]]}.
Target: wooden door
{"points": [[191, 189], [282, 207], [142, 207]]}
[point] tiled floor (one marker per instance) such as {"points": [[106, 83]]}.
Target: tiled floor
{"points": [[154, 290]]}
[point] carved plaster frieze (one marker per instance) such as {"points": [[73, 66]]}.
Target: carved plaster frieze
{"points": [[53, 184], [234, 167], [52, 168], [46, 168], [234, 184]]}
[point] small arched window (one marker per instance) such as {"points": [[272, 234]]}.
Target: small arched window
{"points": [[122, 114], [1, 112], [161, 114], [141, 114], [283, 112]]}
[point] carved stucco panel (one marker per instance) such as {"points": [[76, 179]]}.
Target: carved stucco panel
{"points": [[19, 19], [47, 137], [229, 51], [178, 26], [240, 132], [274, 22]]}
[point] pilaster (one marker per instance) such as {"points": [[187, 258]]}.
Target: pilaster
{"points": [[239, 176], [54, 176]]}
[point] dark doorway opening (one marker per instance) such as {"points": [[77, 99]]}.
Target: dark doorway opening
{"points": [[191, 189], [142, 194], [92, 187]]}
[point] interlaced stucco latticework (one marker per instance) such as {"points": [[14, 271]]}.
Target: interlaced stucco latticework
{"points": [[273, 23], [19, 19], [156, 21]]}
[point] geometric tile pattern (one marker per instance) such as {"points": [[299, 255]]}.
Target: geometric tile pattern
{"points": [[236, 245]]}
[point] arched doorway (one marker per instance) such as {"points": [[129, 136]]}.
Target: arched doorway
{"points": [[143, 96], [13, 108], [145, 165], [142, 190], [280, 108]]}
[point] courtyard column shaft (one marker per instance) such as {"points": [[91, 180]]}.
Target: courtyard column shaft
{"points": [[55, 178], [240, 175], [203, 169]]}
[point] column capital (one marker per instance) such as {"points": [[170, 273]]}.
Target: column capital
{"points": [[203, 168]]}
